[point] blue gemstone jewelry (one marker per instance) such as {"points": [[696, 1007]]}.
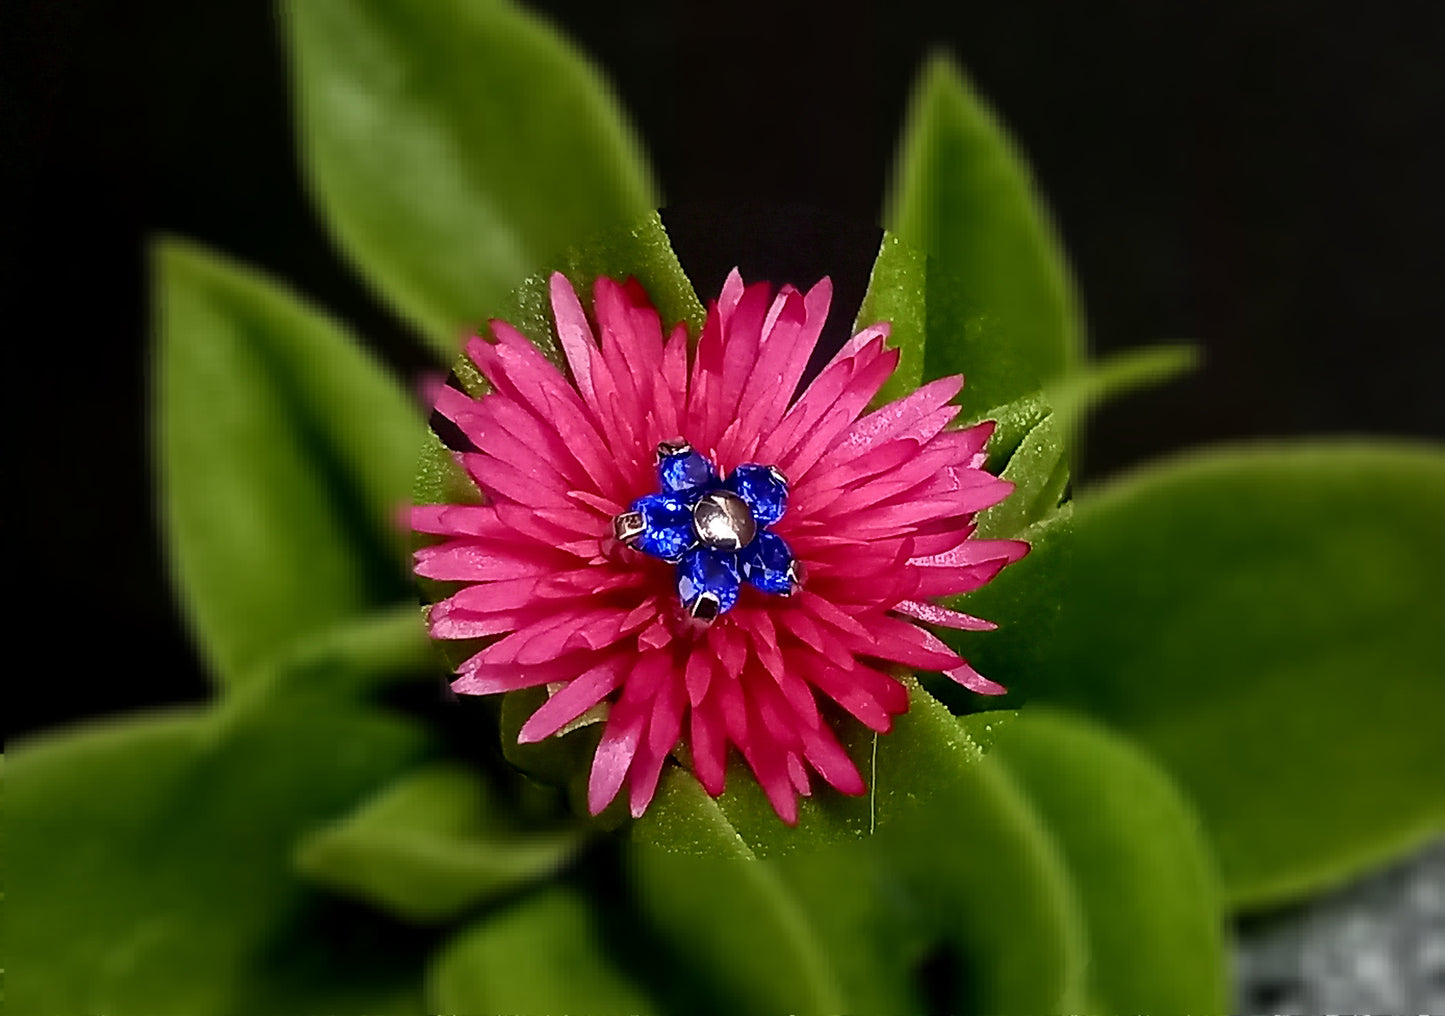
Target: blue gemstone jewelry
{"points": [[714, 530]]}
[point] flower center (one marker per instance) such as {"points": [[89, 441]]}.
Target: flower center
{"points": [[723, 521], [714, 530]]}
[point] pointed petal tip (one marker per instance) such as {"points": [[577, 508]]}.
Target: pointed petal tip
{"points": [[974, 681]]}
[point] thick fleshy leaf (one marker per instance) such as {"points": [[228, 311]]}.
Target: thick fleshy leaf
{"points": [[954, 842], [546, 953], [639, 250], [284, 453], [1267, 621], [455, 148], [1146, 881], [352, 659], [1039, 471], [898, 293], [432, 844], [1032, 444], [148, 866], [1000, 304], [728, 929]]}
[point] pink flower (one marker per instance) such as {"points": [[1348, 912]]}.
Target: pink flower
{"points": [[879, 517]]}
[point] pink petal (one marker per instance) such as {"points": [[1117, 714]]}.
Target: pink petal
{"points": [[709, 750], [934, 614], [571, 701], [698, 675], [974, 681], [614, 756], [573, 331]]}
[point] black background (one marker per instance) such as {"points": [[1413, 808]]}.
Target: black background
{"points": [[1262, 178]]}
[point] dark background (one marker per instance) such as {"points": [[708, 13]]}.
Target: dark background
{"points": [[1262, 178]]}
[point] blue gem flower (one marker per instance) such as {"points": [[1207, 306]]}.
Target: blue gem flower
{"points": [[713, 531], [767, 563], [667, 528], [763, 488]]}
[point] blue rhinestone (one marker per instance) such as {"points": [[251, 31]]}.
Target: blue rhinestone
{"points": [[685, 471], [704, 571], [667, 526], [766, 563], [764, 490]]}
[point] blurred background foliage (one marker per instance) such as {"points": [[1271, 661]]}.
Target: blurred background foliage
{"points": [[1240, 223], [1259, 179]]}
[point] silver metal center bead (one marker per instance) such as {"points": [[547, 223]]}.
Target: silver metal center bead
{"points": [[723, 521]]}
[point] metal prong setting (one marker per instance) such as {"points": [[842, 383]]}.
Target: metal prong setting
{"points": [[705, 608], [795, 579], [677, 446], [723, 521], [628, 526], [778, 475]]}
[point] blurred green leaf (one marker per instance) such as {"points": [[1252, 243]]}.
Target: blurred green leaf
{"points": [[960, 843], [542, 955], [639, 250], [1039, 470], [1034, 436], [857, 943], [284, 451], [728, 929], [1267, 622], [148, 866], [454, 148], [1118, 374], [352, 659], [430, 845], [1000, 304], [898, 293], [1147, 885]]}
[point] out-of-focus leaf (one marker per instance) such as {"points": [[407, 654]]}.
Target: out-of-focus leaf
{"points": [[1147, 884], [148, 865], [898, 293], [351, 659], [1034, 436], [1267, 621], [1000, 304], [1039, 470], [727, 927], [639, 250], [430, 845], [284, 452], [978, 873], [1123, 372], [455, 147], [544, 954]]}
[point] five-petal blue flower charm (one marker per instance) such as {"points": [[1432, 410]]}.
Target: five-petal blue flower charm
{"points": [[714, 530]]}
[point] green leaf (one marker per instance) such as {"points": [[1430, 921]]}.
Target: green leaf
{"points": [[1147, 885], [722, 919], [898, 293], [952, 836], [1034, 436], [844, 921], [1000, 304], [456, 147], [284, 453], [1266, 621], [544, 954], [432, 844], [1119, 374], [352, 659], [148, 866], [1039, 470]]}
